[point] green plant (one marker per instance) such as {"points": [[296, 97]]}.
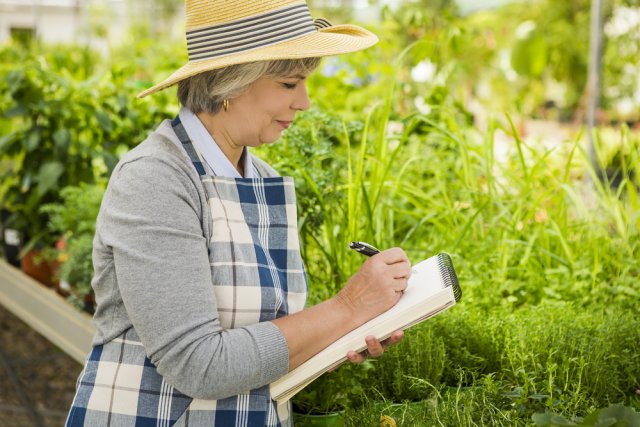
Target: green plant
{"points": [[611, 416], [566, 357], [472, 342], [417, 360], [333, 391], [63, 128], [482, 405], [74, 220]]}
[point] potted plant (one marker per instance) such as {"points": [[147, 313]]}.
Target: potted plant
{"points": [[323, 402], [63, 123], [45, 152], [74, 220]]}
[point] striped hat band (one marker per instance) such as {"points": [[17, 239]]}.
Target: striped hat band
{"points": [[265, 29], [221, 33]]}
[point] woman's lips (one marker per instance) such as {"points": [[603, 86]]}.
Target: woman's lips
{"points": [[284, 124]]}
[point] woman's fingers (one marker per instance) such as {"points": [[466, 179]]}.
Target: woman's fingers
{"points": [[375, 348], [357, 357], [400, 270], [393, 256], [395, 338], [399, 285]]}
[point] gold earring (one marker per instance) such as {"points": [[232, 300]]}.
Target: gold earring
{"points": [[225, 104]]}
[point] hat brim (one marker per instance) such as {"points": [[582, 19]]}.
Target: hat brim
{"points": [[334, 40]]}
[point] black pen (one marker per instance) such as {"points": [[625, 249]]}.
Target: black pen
{"points": [[364, 248]]}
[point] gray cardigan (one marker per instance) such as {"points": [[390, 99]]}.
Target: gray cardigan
{"points": [[152, 273]]}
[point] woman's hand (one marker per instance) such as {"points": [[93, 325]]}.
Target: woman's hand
{"points": [[375, 348], [377, 285], [374, 289]]}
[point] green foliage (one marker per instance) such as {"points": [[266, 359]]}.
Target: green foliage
{"points": [[529, 55], [334, 391], [74, 221], [525, 242], [612, 416], [63, 127], [574, 359], [546, 249], [407, 370], [482, 405], [473, 344]]}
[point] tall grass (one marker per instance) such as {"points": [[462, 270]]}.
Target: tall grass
{"points": [[546, 249]]}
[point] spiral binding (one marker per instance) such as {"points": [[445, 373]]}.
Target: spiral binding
{"points": [[448, 274]]}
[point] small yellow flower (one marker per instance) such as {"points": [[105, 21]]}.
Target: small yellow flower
{"points": [[387, 421]]}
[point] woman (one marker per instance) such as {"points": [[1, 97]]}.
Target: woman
{"points": [[199, 283]]}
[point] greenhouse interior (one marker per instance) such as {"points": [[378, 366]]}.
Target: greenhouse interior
{"points": [[501, 137]]}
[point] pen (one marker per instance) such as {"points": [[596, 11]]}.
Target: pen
{"points": [[364, 248]]}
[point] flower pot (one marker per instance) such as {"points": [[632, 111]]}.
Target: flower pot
{"points": [[333, 419], [33, 265]]}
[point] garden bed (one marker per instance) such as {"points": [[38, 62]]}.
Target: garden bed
{"points": [[46, 312]]}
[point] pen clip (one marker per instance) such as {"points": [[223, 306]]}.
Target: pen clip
{"points": [[364, 248]]}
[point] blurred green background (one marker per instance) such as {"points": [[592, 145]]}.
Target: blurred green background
{"points": [[462, 131]]}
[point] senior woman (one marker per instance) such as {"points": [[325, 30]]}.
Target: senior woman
{"points": [[199, 282]]}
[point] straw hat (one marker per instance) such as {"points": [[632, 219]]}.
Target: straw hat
{"points": [[226, 32]]}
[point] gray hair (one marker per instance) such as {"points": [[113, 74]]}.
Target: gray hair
{"points": [[206, 91]]}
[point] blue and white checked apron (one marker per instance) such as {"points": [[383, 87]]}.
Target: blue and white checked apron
{"points": [[257, 274]]}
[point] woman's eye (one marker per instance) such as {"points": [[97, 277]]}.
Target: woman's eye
{"points": [[289, 85]]}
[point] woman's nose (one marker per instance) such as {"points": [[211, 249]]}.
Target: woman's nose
{"points": [[301, 101]]}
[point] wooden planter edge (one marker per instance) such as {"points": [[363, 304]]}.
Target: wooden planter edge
{"points": [[46, 312]]}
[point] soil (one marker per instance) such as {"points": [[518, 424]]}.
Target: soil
{"points": [[37, 380]]}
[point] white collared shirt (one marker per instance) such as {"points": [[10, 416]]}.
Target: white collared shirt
{"points": [[209, 149]]}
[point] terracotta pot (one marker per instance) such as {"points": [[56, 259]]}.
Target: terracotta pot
{"points": [[34, 266], [333, 419]]}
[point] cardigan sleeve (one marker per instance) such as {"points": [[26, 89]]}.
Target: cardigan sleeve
{"points": [[150, 223]]}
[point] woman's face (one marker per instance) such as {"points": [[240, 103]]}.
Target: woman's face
{"points": [[268, 107]]}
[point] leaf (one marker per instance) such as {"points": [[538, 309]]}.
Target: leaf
{"points": [[62, 137], [551, 420], [529, 55], [25, 185], [48, 176], [6, 140], [32, 140], [104, 121], [18, 110], [627, 290], [618, 413], [14, 79]]}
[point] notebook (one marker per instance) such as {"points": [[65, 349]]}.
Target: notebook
{"points": [[433, 287]]}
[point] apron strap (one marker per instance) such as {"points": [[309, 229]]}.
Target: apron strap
{"points": [[181, 133]]}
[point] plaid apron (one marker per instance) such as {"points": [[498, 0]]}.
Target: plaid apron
{"points": [[257, 274]]}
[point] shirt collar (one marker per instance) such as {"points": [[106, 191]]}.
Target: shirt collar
{"points": [[209, 149]]}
